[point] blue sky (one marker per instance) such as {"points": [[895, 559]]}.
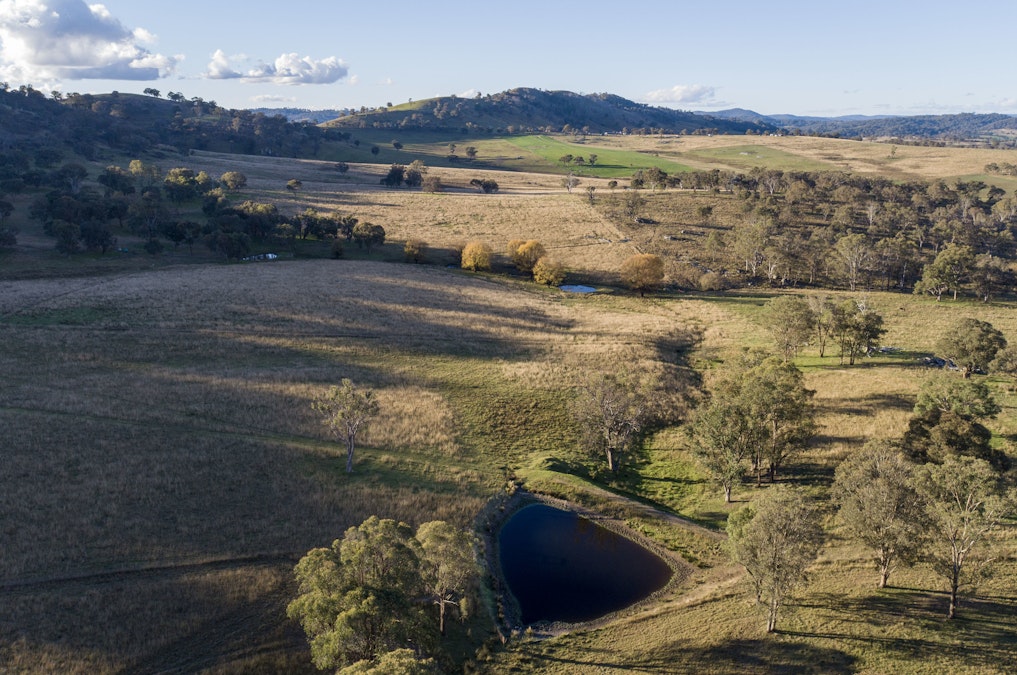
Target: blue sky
{"points": [[785, 56]]}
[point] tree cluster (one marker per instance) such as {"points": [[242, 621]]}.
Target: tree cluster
{"points": [[383, 594], [759, 416], [149, 202], [858, 232]]}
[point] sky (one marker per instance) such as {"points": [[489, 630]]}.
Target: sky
{"points": [[868, 57]]}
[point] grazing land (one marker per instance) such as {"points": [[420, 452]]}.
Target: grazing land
{"points": [[163, 469]]}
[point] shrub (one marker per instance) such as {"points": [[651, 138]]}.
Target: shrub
{"points": [[476, 257], [415, 249], [526, 254], [548, 271], [643, 272], [431, 183]]}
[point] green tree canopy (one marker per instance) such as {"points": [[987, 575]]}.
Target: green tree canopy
{"points": [[357, 599], [856, 329], [879, 505], [947, 272], [776, 539], [791, 322], [724, 437], [365, 602], [971, 344], [947, 423], [966, 499]]}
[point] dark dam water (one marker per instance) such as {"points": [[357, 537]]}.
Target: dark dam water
{"points": [[562, 567]]}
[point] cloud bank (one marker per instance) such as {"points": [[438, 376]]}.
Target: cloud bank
{"points": [[287, 69], [684, 94], [46, 41]]}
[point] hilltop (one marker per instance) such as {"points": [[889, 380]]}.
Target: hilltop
{"points": [[525, 110]]}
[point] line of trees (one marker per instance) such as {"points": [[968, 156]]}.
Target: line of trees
{"points": [[149, 203], [838, 229], [933, 496]]}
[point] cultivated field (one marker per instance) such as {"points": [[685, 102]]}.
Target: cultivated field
{"points": [[162, 469]]}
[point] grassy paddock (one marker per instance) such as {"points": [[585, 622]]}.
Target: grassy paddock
{"points": [[163, 470], [158, 427]]}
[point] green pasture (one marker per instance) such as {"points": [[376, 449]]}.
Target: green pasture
{"points": [[611, 163], [746, 157]]}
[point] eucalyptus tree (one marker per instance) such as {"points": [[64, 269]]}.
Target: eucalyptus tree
{"points": [[346, 410], [880, 507], [967, 500], [972, 344], [611, 411], [776, 538], [791, 322]]}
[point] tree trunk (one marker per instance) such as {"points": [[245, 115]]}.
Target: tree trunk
{"points": [[771, 620], [612, 467], [441, 617], [954, 585], [349, 455], [727, 494], [884, 574]]}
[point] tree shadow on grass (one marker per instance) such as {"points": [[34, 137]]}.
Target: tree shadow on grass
{"points": [[775, 654], [984, 634]]}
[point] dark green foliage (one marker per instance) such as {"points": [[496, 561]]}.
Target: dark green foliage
{"points": [[486, 185], [946, 424], [971, 344], [368, 235], [366, 598], [394, 177], [856, 329]]}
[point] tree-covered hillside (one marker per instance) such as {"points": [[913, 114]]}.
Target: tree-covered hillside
{"points": [[525, 110]]}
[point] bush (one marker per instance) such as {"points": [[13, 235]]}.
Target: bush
{"points": [[337, 248], [548, 271], [643, 272], [526, 254], [415, 249], [431, 184], [476, 257]]}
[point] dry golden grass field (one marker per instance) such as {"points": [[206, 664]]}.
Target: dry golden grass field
{"points": [[162, 469]]}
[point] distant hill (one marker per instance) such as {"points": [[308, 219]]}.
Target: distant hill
{"points": [[535, 110], [303, 114], [945, 128]]}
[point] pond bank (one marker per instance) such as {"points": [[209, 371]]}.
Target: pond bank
{"points": [[506, 504]]}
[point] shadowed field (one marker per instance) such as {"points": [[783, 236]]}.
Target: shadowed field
{"points": [[163, 469]]}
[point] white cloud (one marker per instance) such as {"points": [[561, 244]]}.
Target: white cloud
{"points": [[44, 41], [292, 69], [219, 67], [287, 69], [270, 98], [354, 79], [684, 94]]}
